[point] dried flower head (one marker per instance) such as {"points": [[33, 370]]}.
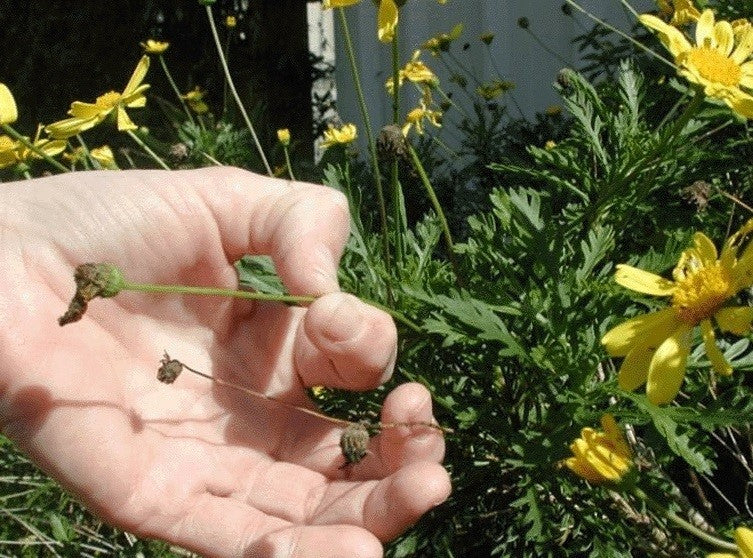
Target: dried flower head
{"points": [[354, 442], [92, 281]]}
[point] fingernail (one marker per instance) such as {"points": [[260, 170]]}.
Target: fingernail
{"points": [[345, 319]]}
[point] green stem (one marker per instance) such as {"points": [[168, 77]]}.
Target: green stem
{"points": [[234, 91], [370, 140], [171, 81], [147, 149], [622, 34], [435, 204], [89, 162], [287, 162], [684, 524], [29, 145], [398, 203], [253, 295]]}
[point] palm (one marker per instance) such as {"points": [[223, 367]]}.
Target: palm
{"points": [[196, 463]]}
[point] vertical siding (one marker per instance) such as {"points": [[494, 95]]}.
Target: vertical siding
{"points": [[518, 56]]}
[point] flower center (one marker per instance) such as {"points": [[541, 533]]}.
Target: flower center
{"points": [[714, 66], [701, 293], [108, 100]]}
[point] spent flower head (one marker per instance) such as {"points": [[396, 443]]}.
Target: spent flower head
{"points": [[87, 115], [655, 346], [600, 456], [718, 60]]}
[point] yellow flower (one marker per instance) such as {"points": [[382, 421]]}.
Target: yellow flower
{"points": [[719, 60], [656, 345], [339, 136], [414, 71], [744, 541], [154, 47], [195, 100], [417, 116], [8, 148], [231, 21], [87, 115], [283, 136], [386, 15], [8, 110], [679, 12], [104, 156], [13, 151], [600, 456]]}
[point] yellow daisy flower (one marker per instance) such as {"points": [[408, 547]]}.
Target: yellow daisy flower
{"points": [[339, 136], [195, 100], [8, 148], [600, 457], [744, 541], [414, 71], [719, 61], [8, 110], [87, 115], [656, 345], [416, 117], [151, 46]]}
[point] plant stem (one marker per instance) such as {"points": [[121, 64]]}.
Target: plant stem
{"points": [[89, 162], [622, 34], [234, 91], [436, 205], [253, 295], [175, 88], [28, 144], [371, 143], [684, 524], [398, 203], [287, 162], [147, 149]]}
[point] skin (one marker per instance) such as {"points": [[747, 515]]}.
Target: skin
{"points": [[193, 463]]}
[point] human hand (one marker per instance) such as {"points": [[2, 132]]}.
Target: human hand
{"points": [[194, 463]]}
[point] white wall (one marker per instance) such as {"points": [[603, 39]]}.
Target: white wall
{"points": [[519, 58]]}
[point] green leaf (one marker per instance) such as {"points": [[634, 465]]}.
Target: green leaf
{"points": [[258, 273]]}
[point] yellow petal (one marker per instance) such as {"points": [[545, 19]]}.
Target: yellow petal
{"points": [[87, 110], [744, 47], [723, 555], [724, 37], [718, 362], [667, 369], [705, 248], [387, 20], [138, 75], [670, 36], [8, 109], [744, 540], [615, 435], [736, 319], [583, 469], [704, 28], [642, 281], [124, 122], [646, 329], [634, 370], [70, 127]]}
